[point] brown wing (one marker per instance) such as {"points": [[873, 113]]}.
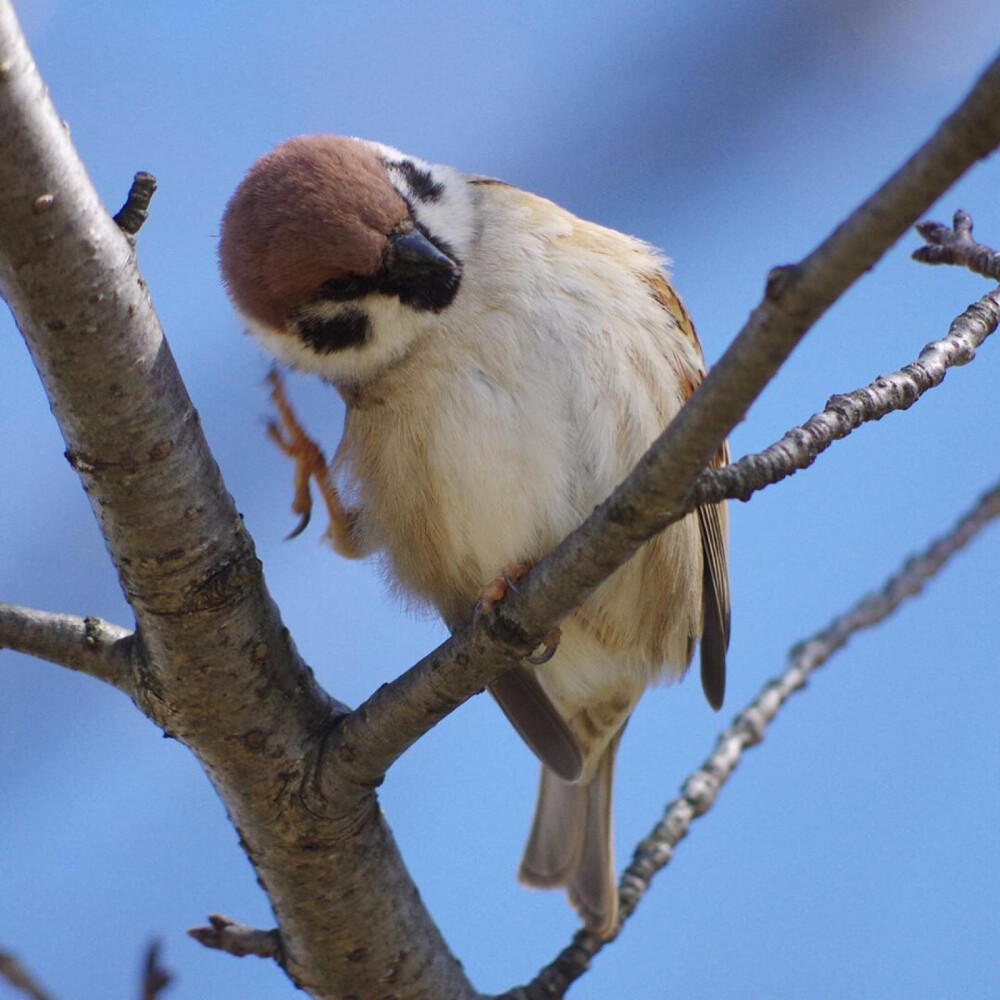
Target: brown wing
{"points": [[714, 523], [713, 520], [538, 722]]}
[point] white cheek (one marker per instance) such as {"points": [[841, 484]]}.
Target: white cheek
{"points": [[283, 346], [451, 217]]}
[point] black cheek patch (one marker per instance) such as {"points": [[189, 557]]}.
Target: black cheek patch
{"points": [[327, 335]]}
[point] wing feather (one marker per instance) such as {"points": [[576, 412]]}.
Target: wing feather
{"points": [[713, 520], [538, 722]]}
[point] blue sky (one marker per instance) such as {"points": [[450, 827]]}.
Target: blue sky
{"points": [[854, 853]]}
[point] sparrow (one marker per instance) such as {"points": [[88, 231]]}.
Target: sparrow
{"points": [[504, 365]]}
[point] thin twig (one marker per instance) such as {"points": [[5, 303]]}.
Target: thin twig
{"points": [[225, 934], [90, 645], [955, 245], [19, 978], [155, 977], [130, 217], [799, 447], [700, 790]]}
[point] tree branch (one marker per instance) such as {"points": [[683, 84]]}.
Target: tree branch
{"points": [[155, 978], [799, 447], [955, 245], [658, 489], [700, 790], [89, 645], [212, 662], [103, 650], [401, 711], [225, 934], [18, 977]]}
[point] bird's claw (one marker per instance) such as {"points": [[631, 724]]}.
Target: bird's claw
{"points": [[495, 591], [550, 644], [300, 527]]}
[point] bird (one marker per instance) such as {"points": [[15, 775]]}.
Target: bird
{"points": [[504, 364]]}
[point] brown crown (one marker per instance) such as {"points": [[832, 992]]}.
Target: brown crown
{"points": [[314, 209]]}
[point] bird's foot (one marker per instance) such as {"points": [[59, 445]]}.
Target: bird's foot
{"points": [[495, 591], [310, 464]]}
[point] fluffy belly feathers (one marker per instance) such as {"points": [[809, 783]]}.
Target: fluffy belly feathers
{"points": [[454, 496]]}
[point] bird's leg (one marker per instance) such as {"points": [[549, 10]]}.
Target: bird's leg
{"points": [[310, 464], [496, 590]]}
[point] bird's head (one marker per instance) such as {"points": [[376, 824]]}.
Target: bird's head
{"points": [[333, 252]]}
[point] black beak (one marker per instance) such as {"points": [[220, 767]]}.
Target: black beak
{"points": [[414, 252], [422, 271]]}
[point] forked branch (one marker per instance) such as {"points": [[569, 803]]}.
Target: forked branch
{"points": [[955, 245], [218, 666], [659, 489], [843, 413]]}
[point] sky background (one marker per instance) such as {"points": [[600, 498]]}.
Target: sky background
{"points": [[854, 853]]}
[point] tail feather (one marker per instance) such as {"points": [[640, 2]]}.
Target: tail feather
{"points": [[570, 843], [555, 844]]}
